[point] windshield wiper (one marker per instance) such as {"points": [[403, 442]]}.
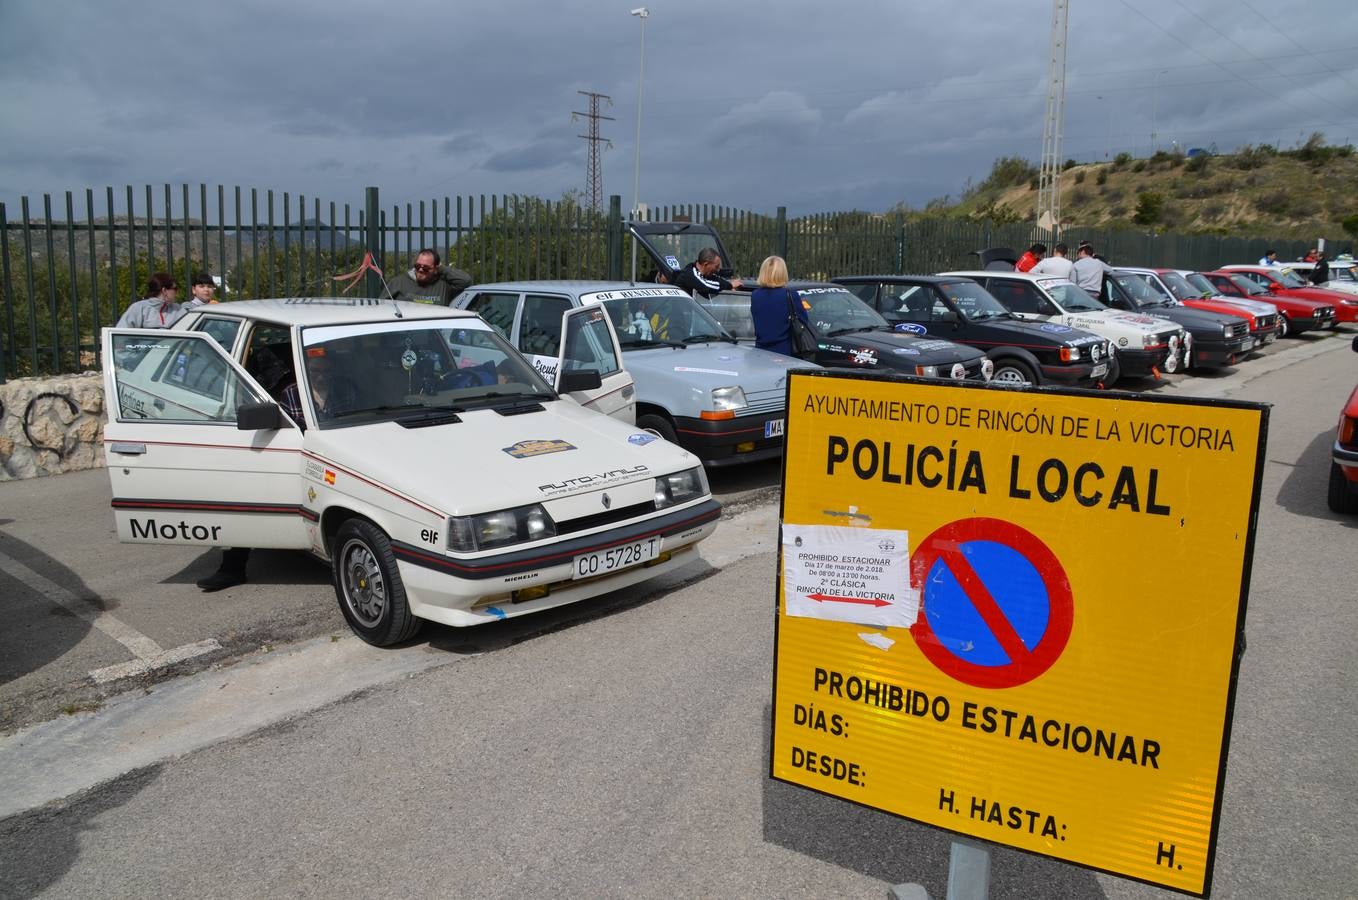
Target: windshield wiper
{"points": [[850, 330], [377, 409], [701, 338], [652, 342]]}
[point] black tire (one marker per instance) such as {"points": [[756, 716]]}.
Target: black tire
{"points": [[368, 585], [1012, 371], [1342, 497], [1114, 372], [1284, 327], [660, 425]]}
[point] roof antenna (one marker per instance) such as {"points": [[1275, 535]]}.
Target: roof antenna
{"points": [[369, 266]]}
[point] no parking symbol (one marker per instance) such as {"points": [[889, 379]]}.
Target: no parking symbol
{"points": [[997, 605]]}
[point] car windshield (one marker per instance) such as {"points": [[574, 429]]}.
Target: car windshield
{"points": [[1072, 298], [836, 311], [973, 301], [1178, 286], [364, 373], [1201, 283], [1249, 287], [1342, 273], [671, 319], [1138, 287], [1289, 278]]}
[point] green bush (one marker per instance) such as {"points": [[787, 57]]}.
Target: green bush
{"points": [[1102, 177], [1150, 208], [1197, 164], [1080, 177], [1121, 159], [1350, 224], [1139, 166], [1068, 164]]}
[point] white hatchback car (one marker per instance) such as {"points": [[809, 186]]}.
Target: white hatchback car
{"points": [[414, 450]]}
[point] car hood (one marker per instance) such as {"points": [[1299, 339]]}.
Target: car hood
{"points": [[562, 451], [1052, 332], [1224, 303], [1194, 318], [1319, 295], [1119, 321], [688, 375], [927, 351]]}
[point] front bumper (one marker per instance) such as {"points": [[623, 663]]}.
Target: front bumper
{"points": [[1147, 362], [1076, 374], [1216, 353], [476, 591], [724, 442]]}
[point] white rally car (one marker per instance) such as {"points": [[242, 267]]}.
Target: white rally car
{"points": [[428, 463], [1145, 344]]}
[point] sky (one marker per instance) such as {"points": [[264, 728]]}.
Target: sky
{"points": [[816, 106]]}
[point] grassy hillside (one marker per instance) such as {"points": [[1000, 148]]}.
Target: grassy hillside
{"points": [[1259, 191]]}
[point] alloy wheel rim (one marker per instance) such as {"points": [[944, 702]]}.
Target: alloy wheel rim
{"points": [[364, 588]]}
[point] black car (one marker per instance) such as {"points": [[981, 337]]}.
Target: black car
{"points": [[1218, 339], [960, 310], [850, 334]]}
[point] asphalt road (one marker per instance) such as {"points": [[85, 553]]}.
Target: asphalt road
{"points": [[618, 751]]}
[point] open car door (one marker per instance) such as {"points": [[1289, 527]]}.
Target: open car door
{"points": [[181, 470], [673, 245], [589, 343]]}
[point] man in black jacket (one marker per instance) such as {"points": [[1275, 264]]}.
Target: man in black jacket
{"points": [[701, 278], [429, 282]]}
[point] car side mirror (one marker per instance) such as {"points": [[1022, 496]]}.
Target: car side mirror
{"points": [[950, 316], [261, 416], [579, 380]]}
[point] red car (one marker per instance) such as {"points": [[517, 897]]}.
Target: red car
{"points": [[1343, 494], [1284, 282], [1295, 314], [1172, 284]]}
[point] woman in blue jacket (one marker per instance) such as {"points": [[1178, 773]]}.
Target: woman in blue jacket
{"points": [[772, 305]]}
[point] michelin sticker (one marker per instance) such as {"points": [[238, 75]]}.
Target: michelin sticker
{"points": [[525, 449], [849, 574]]}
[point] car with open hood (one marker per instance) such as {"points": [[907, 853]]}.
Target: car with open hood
{"points": [[1143, 345], [1296, 315], [1281, 281], [1219, 339], [960, 310], [421, 456], [695, 385], [851, 335]]}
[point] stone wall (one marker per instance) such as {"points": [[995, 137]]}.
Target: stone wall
{"points": [[51, 425]]}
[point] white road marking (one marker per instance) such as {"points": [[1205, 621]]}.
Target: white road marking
{"points": [[148, 653]]}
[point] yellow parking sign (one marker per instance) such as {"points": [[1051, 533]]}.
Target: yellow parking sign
{"points": [[1017, 615]]}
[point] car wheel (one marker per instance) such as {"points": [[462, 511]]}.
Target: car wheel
{"points": [[1114, 372], [1283, 329], [658, 425], [1013, 371], [368, 585], [1343, 498]]}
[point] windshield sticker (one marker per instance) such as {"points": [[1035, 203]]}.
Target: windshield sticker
{"points": [[320, 334], [935, 345], [864, 357], [707, 371], [593, 480], [672, 262], [632, 294], [911, 328], [906, 351], [1137, 320], [525, 449], [642, 439], [1056, 329], [821, 290]]}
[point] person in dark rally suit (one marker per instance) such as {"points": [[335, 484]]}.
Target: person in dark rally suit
{"points": [[701, 278]]}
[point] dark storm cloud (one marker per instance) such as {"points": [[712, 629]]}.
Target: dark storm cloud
{"points": [[805, 104]]}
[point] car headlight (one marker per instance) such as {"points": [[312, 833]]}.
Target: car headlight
{"points": [[1225, 331], [680, 487], [728, 398], [1072, 354], [1173, 341], [468, 534], [959, 372], [987, 368], [927, 371]]}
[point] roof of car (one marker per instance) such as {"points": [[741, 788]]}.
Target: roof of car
{"points": [[328, 310], [576, 287], [913, 279], [1002, 273]]}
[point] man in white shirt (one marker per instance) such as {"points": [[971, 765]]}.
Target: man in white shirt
{"points": [[1269, 259], [1056, 264], [1087, 272]]}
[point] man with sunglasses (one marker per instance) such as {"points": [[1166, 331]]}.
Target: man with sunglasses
{"points": [[429, 282]]}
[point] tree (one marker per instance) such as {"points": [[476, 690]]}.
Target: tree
{"points": [[1150, 207], [1350, 225]]}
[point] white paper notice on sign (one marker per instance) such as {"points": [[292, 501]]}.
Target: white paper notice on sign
{"points": [[849, 574]]}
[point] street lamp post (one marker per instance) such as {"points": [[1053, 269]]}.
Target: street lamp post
{"points": [[1155, 97], [1108, 145], [643, 14]]}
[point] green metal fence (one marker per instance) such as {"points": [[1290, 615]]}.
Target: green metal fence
{"points": [[65, 272]]}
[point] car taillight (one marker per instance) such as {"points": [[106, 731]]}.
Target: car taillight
{"points": [[1348, 430]]}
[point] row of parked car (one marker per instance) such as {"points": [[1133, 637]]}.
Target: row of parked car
{"points": [[504, 457]]}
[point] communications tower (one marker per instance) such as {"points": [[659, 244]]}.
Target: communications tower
{"points": [[1049, 173]]}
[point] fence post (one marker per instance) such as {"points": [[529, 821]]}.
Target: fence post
{"points": [[900, 245], [613, 237], [780, 235], [372, 283]]}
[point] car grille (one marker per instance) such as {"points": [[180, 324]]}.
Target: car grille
{"points": [[762, 403], [1325, 312], [1266, 321], [1239, 329], [973, 370]]}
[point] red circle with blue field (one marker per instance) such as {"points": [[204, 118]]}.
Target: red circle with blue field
{"points": [[996, 609]]}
